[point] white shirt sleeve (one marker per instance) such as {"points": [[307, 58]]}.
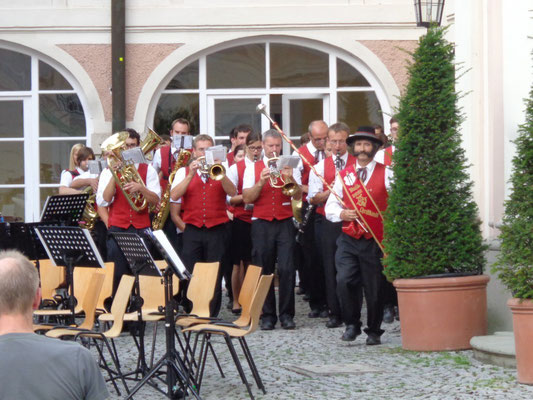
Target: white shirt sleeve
{"points": [[333, 206], [315, 184], [380, 156], [178, 178], [249, 177], [66, 178], [105, 176], [233, 176], [156, 161], [152, 181]]}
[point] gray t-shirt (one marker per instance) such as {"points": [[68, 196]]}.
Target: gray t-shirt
{"points": [[37, 367]]}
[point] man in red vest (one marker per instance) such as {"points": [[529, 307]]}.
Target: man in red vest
{"points": [[122, 218], [238, 136], [205, 238], [312, 269], [384, 156], [362, 186], [273, 233], [326, 232]]}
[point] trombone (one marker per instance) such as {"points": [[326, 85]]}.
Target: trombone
{"points": [[216, 172]]}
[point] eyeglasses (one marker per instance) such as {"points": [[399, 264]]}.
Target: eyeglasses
{"points": [[337, 142], [255, 148], [319, 139]]}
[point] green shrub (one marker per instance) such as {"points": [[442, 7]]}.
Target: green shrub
{"points": [[515, 263], [431, 223]]}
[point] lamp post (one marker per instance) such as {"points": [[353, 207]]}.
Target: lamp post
{"points": [[428, 12]]}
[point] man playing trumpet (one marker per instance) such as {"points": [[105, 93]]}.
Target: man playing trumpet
{"points": [[273, 233]]}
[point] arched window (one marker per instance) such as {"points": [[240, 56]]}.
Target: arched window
{"points": [[41, 118], [299, 82]]}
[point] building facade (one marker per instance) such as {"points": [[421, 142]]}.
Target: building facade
{"points": [[213, 61]]}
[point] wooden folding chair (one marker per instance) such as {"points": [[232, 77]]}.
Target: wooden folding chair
{"points": [[51, 278], [248, 288], [231, 331]]}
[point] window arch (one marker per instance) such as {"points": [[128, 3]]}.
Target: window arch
{"points": [[299, 81], [41, 117]]}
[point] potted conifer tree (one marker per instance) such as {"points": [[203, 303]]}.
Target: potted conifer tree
{"points": [[515, 263], [434, 251]]}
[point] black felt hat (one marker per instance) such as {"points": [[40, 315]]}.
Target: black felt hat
{"points": [[364, 132]]}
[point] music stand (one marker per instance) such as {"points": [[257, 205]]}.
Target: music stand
{"points": [[5, 236], [69, 246], [141, 263], [67, 209], [176, 369]]}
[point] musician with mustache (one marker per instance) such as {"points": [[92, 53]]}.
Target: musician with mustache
{"points": [[326, 232], [362, 185]]}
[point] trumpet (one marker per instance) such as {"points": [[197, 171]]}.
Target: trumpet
{"points": [[216, 172], [122, 171], [289, 188]]}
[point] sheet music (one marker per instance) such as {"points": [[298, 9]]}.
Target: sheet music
{"points": [[97, 166], [160, 236], [290, 161], [182, 141], [134, 156], [215, 153]]}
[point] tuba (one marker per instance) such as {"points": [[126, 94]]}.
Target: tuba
{"points": [[164, 208], [90, 215], [289, 188], [150, 142], [123, 172], [215, 172]]}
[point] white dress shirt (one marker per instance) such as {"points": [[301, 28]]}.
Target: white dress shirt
{"points": [[156, 161], [233, 174], [66, 177], [380, 155], [312, 149], [315, 184], [333, 206], [152, 184]]}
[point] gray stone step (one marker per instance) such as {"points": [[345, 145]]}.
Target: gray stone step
{"points": [[497, 349]]}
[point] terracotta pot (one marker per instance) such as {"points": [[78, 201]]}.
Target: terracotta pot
{"points": [[438, 314], [523, 334]]}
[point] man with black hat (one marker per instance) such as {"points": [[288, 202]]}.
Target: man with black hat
{"points": [[362, 187]]}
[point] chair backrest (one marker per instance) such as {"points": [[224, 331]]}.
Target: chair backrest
{"points": [[107, 288], [248, 288], [257, 302], [202, 287], [120, 302], [90, 299], [51, 277]]}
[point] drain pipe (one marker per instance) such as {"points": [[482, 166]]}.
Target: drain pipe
{"points": [[118, 63]]}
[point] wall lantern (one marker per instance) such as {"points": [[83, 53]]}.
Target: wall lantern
{"points": [[428, 12]]}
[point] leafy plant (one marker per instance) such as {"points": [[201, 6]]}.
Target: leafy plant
{"points": [[431, 223], [515, 263]]}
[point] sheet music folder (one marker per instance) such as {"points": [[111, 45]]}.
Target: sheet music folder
{"points": [[171, 257]]}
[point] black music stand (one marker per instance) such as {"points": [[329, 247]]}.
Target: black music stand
{"points": [[69, 246], [177, 373], [5, 236], [66, 209], [141, 263]]}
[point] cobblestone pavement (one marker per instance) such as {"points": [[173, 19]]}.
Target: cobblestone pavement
{"points": [[287, 359]]}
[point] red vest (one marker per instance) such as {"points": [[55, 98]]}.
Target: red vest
{"points": [[376, 188], [387, 155], [238, 210], [204, 203], [165, 153], [120, 212], [74, 173], [271, 203], [329, 175], [230, 157], [304, 151]]}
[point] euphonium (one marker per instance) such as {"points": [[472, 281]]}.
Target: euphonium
{"points": [[123, 172], [150, 142], [164, 208], [90, 215], [215, 172], [289, 188]]}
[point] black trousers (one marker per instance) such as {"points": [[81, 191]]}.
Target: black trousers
{"points": [[359, 268], [313, 265], [329, 233], [206, 245], [275, 240], [115, 254]]}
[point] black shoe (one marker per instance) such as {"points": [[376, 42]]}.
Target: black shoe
{"points": [[324, 313], [388, 315], [306, 297], [229, 305], [314, 313], [288, 323], [267, 325], [350, 333], [333, 322], [373, 339], [300, 291]]}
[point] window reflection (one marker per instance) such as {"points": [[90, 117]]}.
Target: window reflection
{"points": [[296, 66], [187, 78], [230, 113], [12, 202], [237, 67], [11, 119], [177, 105], [358, 108], [12, 163], [54, 158], [61, 115], [348, 75], [15, 71], [50, 79]]}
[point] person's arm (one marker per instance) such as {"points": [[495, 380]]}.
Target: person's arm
{"points": [[103, 212], [228, 186], [316, 195], [109, 190], [66, 190], [175, 210], [65, 183], [151, 191], [79, 183], [251, 193], [233, 175], [182, 180], [334, 208], [103, 182]]}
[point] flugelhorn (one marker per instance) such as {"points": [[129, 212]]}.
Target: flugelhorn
{"points": [[216, 172], [123, 172], [288, 187]]}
